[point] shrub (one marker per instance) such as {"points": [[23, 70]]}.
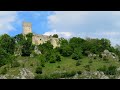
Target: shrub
{"points": [[55, 36], [68, 74], [42, 60], [39, 70], [58, 58], [15, 64], [87, 67], [111, 70], [31, 64], [38, 76], [78, 63], [23, 65], [75, 56], [58, 66], [52, 61], [105, 58], [4, 71], [104, 69], [79, 72], [55, 76], [100, 55], [52, 58], [90, 61]]}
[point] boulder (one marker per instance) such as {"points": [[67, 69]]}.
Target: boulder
{"points": [[109, 55]]}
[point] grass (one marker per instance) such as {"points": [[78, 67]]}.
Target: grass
{"points": [[66, 64]]}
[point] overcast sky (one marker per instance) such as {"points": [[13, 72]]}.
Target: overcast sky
{"points": [[95, 24]]}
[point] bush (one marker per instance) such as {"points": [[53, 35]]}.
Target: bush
{"points": [[39, 70], [111, 70], [52, 58], [55, 36], [58, 66], [4, 71], [58, 58], [87, 67], [31, 64], [100, 55], [66, 51], [90, 61], [103, 69], [78, 63], [75, 56], [38, 76], [52, 61], [68, 74], [105, 58], [23, 65], [15, 64], [79, 72]]}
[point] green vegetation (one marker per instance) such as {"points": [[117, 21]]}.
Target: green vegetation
{"points": [[55, 35], [38, 70], [66, 61]]}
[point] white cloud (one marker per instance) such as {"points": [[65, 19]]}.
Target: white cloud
{"points": [[99, 24], [6, 20], [61, 34]]}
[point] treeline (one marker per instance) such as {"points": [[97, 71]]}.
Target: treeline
{"points": [[75, 47]]}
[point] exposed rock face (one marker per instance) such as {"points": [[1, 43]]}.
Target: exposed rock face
{"points": [[92, 56], [94, 75], [109, 55], [3, 77], [37, 51], [26, 74]]}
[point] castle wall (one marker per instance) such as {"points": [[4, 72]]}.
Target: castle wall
{"points": [[39, 39]]}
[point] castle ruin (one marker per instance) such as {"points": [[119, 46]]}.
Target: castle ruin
{"points": [[38, 39], [27, 28]]}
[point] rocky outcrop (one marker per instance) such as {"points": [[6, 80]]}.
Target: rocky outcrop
{"points": [[35, 52], [94, 75], [109, 55], [24, 74], [92, 56]]}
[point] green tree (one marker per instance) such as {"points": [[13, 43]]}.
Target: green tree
{"points": [[42, 60], [77, 53], [7, 43], [76, 42], [3, 57], [55, 36], [52, 58], [19, 39], [58, 57], [66, 51], [27, 46]]}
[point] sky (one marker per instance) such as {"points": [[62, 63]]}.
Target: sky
{"points": [[67, 24]]}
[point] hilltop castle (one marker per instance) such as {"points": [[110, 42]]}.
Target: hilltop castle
{"points": [[39, 39]]}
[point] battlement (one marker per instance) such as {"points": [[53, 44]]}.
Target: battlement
{"points": [[27, 24]]}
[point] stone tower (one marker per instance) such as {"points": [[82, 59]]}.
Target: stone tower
{"points": [[27, 28]]}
